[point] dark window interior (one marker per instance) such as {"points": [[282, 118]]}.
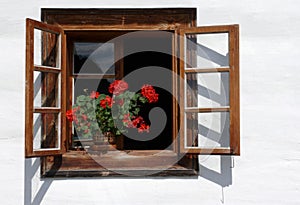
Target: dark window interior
{"points": [[146, 49], [152, 60]]}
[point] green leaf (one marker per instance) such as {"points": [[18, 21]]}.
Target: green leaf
{"points": [[89, 105], [142, 99]]}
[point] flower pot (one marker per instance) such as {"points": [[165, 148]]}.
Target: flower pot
{"points": [[103, 143], [110, 138]]}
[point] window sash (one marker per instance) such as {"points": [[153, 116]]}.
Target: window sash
{"points": [[30, 108], [233, 108]]}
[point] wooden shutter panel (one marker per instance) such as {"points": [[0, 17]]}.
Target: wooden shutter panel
{"points": [[210, 113], [45, 90]]}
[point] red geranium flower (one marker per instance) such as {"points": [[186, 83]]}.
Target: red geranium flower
{"points": [[118, 87], [69, 115], [149, 92], [103, 103], [137, 121], [120, 102], [107, 101], [126, 116], [75, 109], [94, 95], [143, 128], [127, 121], [84, 117]]}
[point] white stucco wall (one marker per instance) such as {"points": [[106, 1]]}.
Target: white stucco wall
{"points": [[267, 172]]}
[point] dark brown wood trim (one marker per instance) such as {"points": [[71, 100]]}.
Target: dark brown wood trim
{"points": [[234, 90], [82, 164], [49, 152], [46, 69], [63, 64], [214, 151], [201, 110], [181, 89], [151, 17], [93, 76], [29, 88], [206, 70], [209, 29], [47, 110], [233, 69], [29, 109], [104, 173], [118, 28], [175, 93], [44, 27]]}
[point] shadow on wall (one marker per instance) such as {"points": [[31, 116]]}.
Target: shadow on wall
{"points": [[217, 169], [31, 196], [36, 189]]}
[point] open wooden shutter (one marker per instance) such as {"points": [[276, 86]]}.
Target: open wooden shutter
{"points": [[45, 90], [209, 67]]}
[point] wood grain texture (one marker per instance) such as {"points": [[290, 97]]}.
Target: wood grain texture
{"points": [[46, 69], [206, 70], [234, 90], [120, 18], [202, 110], [82, 164], [29, 89], [233, 69], [48, 86]]}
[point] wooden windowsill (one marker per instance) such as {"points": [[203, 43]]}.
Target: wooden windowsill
{"points": [[126, 163]]}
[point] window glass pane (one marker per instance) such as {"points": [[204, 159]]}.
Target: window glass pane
{"points": [[83, 86], [207, 89], [46, 89], [46, 48], [207, 50], [46, 130], [207, 130], [94, 58]]}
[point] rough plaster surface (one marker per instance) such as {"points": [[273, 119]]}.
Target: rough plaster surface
{"points": [[267, 172]]}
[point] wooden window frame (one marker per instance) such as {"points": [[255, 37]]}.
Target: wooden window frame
{"points": [[73, 20], [30, 109], [234, 101]]}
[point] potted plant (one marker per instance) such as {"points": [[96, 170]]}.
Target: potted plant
{"points": [[106, 117]]}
